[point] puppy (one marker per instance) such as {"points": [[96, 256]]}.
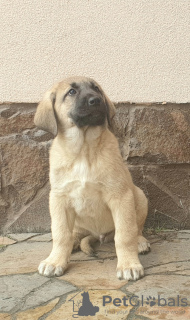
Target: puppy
{"points": [[92, 193]]}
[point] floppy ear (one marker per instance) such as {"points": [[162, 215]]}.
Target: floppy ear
{"points": [[110, 109], [45, 117]]}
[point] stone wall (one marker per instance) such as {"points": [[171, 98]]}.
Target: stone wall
{"points": [[154, 140]]}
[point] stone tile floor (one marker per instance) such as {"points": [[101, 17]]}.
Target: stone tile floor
{"points": [[164, 292]]}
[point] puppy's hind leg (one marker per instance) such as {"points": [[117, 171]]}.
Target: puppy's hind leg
{"points": [[143, 245], [141, 210]]}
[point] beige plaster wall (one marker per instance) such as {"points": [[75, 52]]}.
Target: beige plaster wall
{"points": [[137, 49]]}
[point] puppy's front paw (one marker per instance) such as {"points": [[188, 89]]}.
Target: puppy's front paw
{"points": [[131, 272], [48, 269]]}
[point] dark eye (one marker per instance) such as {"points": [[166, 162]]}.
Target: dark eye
{"points": [[96, 89], [72, 92]]}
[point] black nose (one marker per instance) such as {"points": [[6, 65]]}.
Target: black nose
{"points": [[93, 101]]}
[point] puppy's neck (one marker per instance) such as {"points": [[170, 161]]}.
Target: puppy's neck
{"points": [[77, 140]]}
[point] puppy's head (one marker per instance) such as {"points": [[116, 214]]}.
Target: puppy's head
{"points": [[75, 101]]}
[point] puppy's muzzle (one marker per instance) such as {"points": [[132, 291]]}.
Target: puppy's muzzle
{"points": [[89, 111]]}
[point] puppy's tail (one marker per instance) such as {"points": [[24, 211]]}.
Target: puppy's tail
{"points": [[86, 243]]}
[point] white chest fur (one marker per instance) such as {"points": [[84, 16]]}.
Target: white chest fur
{"points": [[81, 171]]}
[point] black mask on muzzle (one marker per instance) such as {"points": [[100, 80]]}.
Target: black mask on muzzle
{"points": [[89, 111]]}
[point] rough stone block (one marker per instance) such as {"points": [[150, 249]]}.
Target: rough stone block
{"points": [[24, 153], [14, 118], [167, 189], [24, 172], [35, 216], [154, 134]]}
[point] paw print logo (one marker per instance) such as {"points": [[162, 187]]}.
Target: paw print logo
{"points": [[151, 301]]}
